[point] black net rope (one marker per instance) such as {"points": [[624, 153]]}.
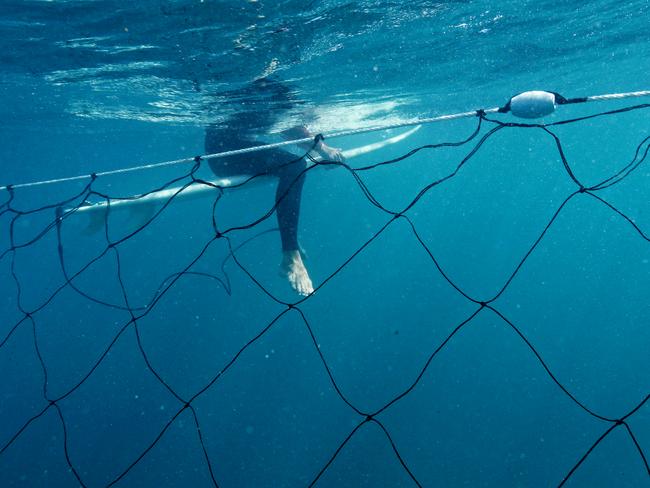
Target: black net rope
{"points": [[186, 405]]}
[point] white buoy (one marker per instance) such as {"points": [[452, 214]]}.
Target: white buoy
{"points": [[532, 104]]}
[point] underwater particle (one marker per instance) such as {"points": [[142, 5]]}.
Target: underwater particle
{"points": [[249, 429]]}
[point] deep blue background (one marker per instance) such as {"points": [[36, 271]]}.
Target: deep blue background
{"points": [[95, 86]]}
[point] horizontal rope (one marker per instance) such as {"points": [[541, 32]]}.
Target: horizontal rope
{"points": [[616, 96], [365, 130]]}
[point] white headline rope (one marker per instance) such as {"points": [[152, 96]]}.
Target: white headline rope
{"points": [[430, 120]]}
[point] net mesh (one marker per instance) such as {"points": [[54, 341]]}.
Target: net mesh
{"points": [[107, 375]]}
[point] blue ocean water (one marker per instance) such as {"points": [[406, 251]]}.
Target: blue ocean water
{"points": [[519, 393]]}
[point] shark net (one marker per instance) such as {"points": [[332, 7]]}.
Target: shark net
{"points": [[479, 316]]}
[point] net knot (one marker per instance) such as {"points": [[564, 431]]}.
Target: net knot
{"points": [[318, 138], [198, 159], [93, 176], [369, 418], [582, 189]]}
